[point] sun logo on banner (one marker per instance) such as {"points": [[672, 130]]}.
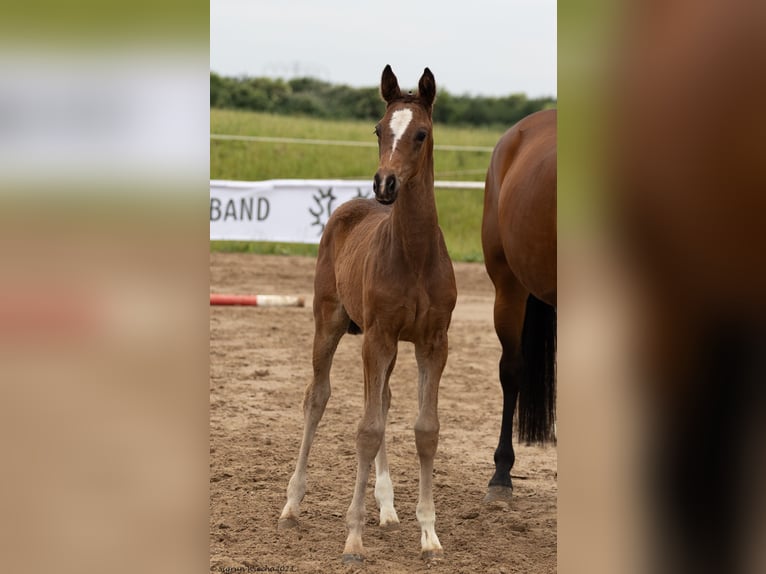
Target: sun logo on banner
{"points": [[361, 194], [324, 205], [323, 208]]}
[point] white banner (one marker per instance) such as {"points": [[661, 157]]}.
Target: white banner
{"points": [[293, 211]]}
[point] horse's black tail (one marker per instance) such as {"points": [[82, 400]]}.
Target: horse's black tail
{"points": [[537, 392]]}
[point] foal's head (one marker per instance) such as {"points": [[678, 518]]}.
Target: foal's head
{"points": [[405, 139]]}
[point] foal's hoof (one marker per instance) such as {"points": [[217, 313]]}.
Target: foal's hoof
{"points": [[499, 495], [353, 559], [432, 557], [287, 523]]}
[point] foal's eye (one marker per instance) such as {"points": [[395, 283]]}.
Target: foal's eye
{"points": [[376, 131], [421, 135]]}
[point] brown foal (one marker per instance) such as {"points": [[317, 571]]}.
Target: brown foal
{"points": [[383, 269]]}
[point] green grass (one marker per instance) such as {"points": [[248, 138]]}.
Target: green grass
{"points": [[459, 210], [460, 213], [264, 248]]}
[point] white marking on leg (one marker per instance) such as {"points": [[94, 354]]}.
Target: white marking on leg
{"points": [[427, 519], [425, 510], [384, 495], [400, 120]]}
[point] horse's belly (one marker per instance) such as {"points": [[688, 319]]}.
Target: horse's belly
{"points": [[349, 292]]}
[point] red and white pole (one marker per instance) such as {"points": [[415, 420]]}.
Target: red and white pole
{"points": [[257, 300]]}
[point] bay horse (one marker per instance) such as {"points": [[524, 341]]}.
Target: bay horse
{"points": [[518, 238], [383, 270]]}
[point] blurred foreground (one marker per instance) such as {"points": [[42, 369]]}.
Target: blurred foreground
{"points": [[662, 338], [103, 297]]}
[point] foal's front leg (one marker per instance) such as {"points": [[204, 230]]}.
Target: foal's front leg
{"points": [[432, 357], [378, 352]]}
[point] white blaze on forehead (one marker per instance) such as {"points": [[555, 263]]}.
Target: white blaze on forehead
{"points": [[400, 120]]}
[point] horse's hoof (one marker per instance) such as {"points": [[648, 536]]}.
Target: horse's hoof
{"points": [[390, 526], [431, 557], [287, 523], [499, 496], [353, 559]]}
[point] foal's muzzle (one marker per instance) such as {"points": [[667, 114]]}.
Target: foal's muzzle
{"points": [[385, 188]]}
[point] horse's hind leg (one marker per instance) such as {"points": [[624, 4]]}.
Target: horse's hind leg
{"points": [[510, 305], [431, 357], [331, 322], [384, 489]]}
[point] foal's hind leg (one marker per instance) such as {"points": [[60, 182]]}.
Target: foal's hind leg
{"points": [[378, 353], [510, 305], [431, 357], [331, 322], [384, 489]]}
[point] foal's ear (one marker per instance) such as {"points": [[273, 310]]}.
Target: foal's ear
{"points": [[427, 88], [389, 85]]}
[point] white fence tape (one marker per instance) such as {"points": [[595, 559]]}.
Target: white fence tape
{"points": [[288, 210], [347, 143]]}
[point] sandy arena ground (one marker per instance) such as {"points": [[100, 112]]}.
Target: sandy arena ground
{"points": [[260, 362]]}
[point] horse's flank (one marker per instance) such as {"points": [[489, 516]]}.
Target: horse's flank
{"points": [[524, 202]]}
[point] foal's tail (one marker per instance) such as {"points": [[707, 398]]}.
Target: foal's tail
{"points": [[537, 392]]}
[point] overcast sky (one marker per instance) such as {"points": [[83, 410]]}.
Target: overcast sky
{"points": [[487, 47]]}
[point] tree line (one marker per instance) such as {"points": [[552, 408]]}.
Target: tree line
{"points": [[317, 98]]}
